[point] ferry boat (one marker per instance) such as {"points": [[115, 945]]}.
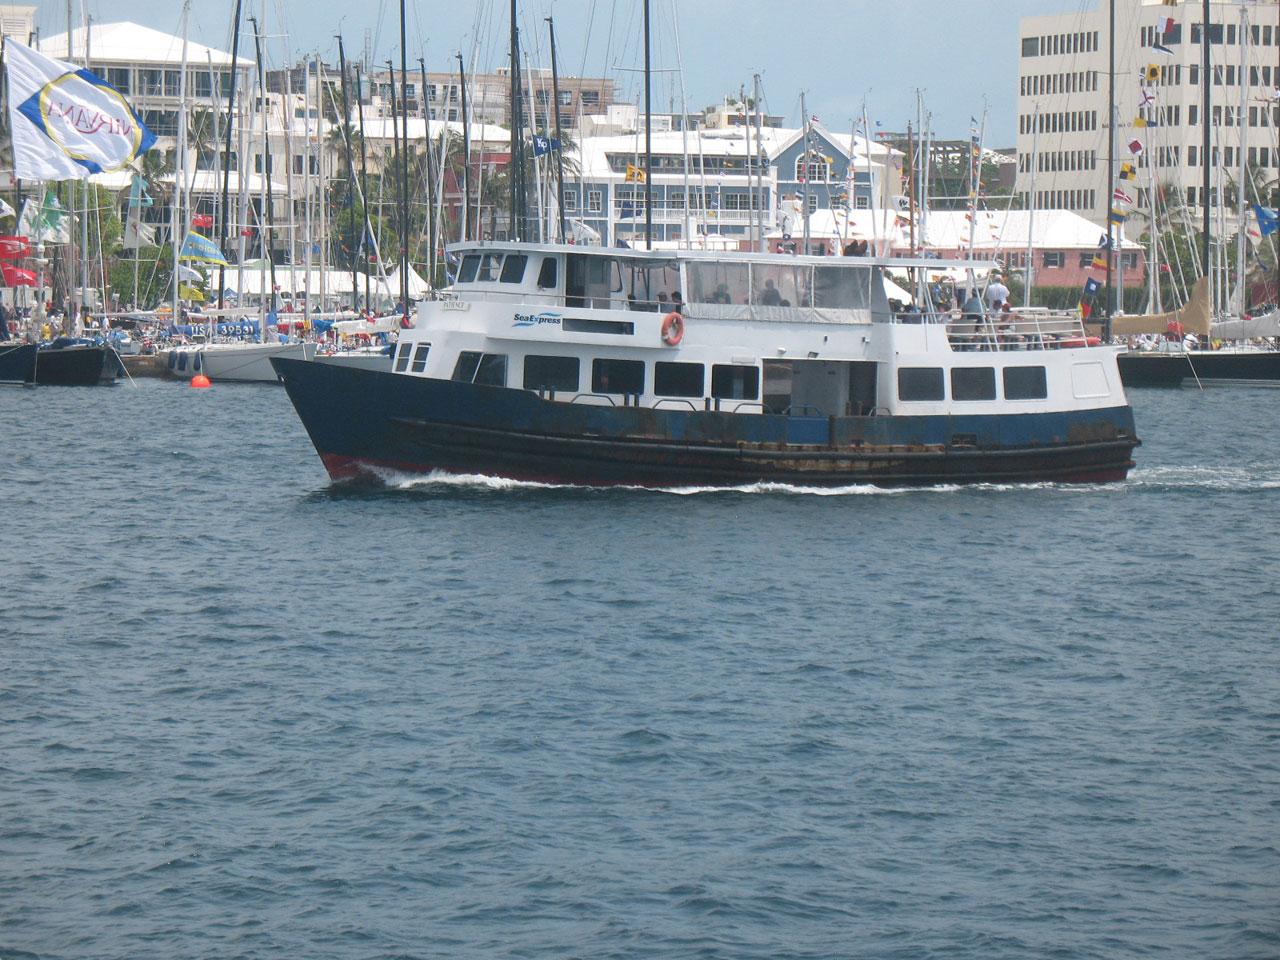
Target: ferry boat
{"points": [[598, 365]]}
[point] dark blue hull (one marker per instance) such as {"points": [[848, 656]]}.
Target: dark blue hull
{"points": [[361, 421], [17, 362], [1260, 367]]}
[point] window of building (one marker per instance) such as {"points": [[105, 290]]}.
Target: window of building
{"points": [[678, 379], [420, 358], [589, 98], [257, 163], [921, 383], [150, 82], [735, 382], [565, 99], [118, 77], [1030, 46], [203, 83], [551, 373], [513, 268], [1086, 259], [1054, 258], [973, 383], [571, 201], [173, 83], [813, 203], [1025, 383], [817, 170], [617, 376], [595, 201]]}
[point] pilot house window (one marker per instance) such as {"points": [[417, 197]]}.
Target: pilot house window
{"points": [[489, 369], [617, 376]]}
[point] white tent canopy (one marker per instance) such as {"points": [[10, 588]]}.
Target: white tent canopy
{"points": [[418, 288]]}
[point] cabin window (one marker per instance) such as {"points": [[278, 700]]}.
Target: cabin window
{"points": [[547, 273], [489, 369], [489, 264], [513, 268], [845, 288], [470, 264], [419, 358], [551, 373], [735, 382], [402, 356], [781, 285], [617, 376], [921, 383], [718, 283], [1025, 383], [678, 379], [973, 383]]}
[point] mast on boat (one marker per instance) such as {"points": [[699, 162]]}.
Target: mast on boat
{"points": [[226, 160], [555, 95]]}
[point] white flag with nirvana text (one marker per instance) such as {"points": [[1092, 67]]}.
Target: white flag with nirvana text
{"points": [[66, 123]]}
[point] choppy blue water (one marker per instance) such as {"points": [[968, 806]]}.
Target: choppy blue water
{"points": [[245, 714]]}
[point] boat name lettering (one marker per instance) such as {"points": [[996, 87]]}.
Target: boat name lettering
{"points": [[534, 320]]}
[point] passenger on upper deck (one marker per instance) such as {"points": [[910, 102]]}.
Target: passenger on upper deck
{"points": [[721, 294], [769, 296]]}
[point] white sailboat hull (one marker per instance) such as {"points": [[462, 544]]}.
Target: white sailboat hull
{"points": [[233, 362]]}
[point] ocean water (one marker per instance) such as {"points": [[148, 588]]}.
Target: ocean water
{"points": [[244, 714]]}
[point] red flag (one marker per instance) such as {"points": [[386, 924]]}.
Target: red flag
{"points": [[16, 276], [1085, 310], [247, 232], [14, 248], [202, 220]]}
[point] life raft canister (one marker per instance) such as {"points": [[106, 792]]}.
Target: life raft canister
{"points": [[672, 329]]}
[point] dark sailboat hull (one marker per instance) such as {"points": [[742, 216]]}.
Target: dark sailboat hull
{"points": [[363, 423], [17, 362], [1243, 367], [77, 366]]}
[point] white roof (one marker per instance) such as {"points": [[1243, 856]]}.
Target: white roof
{"points": [[132, 43], [1008, 229]]}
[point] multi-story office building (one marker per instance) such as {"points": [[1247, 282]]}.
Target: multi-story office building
{"points": [[1063, 97]]}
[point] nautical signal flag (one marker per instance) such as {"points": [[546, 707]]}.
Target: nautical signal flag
{"points": [[1152, 72], [1091, 287], [1085, 310], [1268, 220], [1116, 216], [202, 220], [1141, 121], [1161, 48], [1127, 171], [1121, 197], [1135, 147], [196, 247], [634, 174], [1165, 25], [544, 145], [1099, 262]]}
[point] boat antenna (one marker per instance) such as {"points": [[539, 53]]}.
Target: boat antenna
{"points": [[226, 159]]}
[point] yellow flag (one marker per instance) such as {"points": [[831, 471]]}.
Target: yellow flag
{"points": [[634, 174], [1151, 73]]}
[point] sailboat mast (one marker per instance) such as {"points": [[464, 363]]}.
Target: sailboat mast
{"points": [[758, 202], [648, 137], [366, 228], [517, 129], [1206, 115], [268, 234], [1031, 208], [808, 133], [346, 140], [1108, 197], [404, 166], [429, 220], [180, 176], [226, 160], [466, 152], [1243, 199], [555, 94]]}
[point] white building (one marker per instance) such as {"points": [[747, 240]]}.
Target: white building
{"points": [[1062, 102]]}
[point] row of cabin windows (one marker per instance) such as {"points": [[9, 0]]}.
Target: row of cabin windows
{"points": [[504, 268], [971, 383], [608, 375]]}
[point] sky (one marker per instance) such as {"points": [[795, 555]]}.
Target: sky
{"points": [[961, 57]]}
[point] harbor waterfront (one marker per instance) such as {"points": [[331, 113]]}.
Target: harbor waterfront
{"points": [[249, 714]]}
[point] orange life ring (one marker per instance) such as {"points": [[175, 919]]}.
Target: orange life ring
{"points": [[672, 329]]}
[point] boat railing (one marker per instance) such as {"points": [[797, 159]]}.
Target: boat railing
{"points": [[1033, 331]]}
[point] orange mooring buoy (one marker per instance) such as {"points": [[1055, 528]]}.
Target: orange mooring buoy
{"points": [[199, 381]]}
